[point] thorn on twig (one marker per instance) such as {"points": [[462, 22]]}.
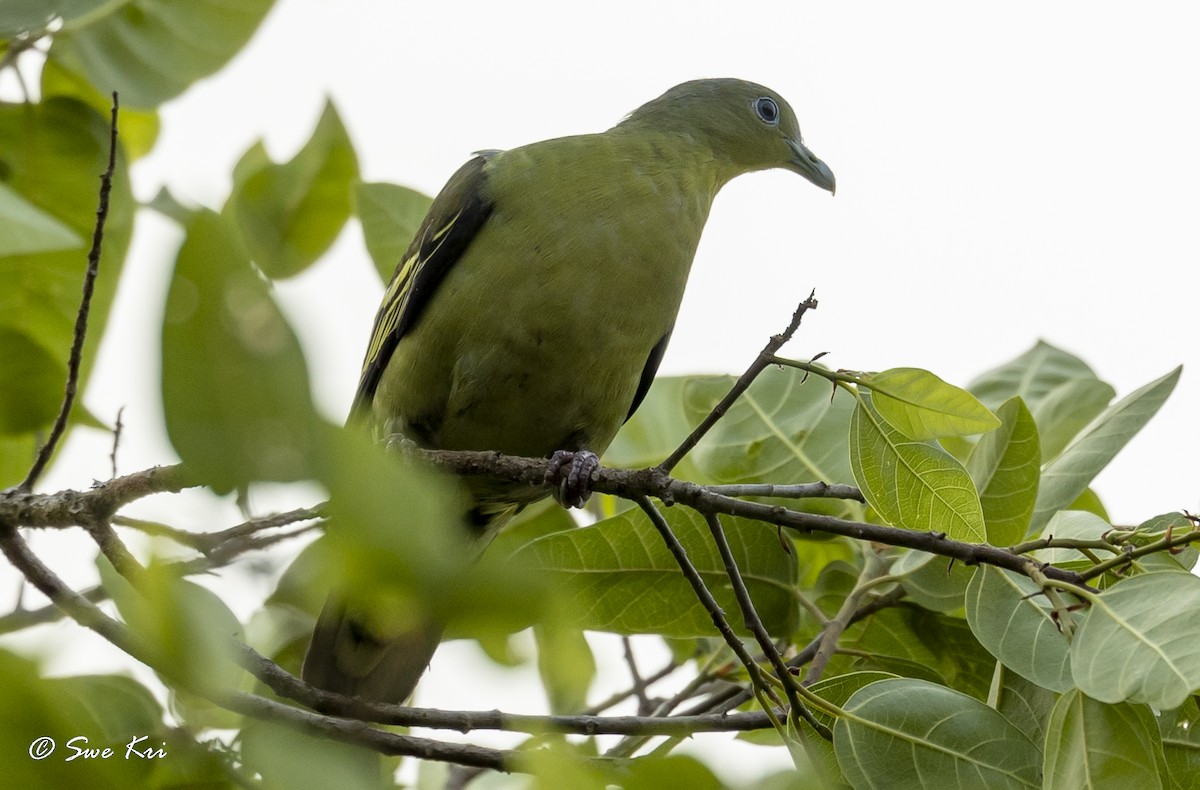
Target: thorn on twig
{"points": [[783, 540]]}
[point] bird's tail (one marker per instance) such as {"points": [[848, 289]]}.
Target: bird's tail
{"points": [[348, 655]]}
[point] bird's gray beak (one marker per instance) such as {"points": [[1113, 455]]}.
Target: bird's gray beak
{"points": [[805, 163]]}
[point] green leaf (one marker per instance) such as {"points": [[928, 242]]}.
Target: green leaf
{"points": [[397, 544], [1180, 731], [1090, 744], [935, 583], [28, 15], [908, 733], [1067, 409], [618, 575], [121, 706], [152, 50], [1027, 705], [26, 229], [1005, 466], [1071, 525], [1152, 622], [31, 383], [235, 384], [835, 690], [390, 215], [1068, 475], [1034, 376], [566, 667], [911, 484], [287, 757], [783, 429], [138, 128], [918, 643], [186, 630], [290, 214], [922, 406], [1012, 621], [50, 156], [674, 770]]}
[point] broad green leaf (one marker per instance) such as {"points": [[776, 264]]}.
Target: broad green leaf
{"points": [[918, 643], [33, 708], [659, 425], [1027, 705], [1034, 376], [1180, 731], [32, 381], [783, 429], [121, 706], [653, 772], [28, 15], [26, 229], [1011, 619], [933, 582], [836, 690], [288, 757], [138, 128], [51, 154], [152, 50], [1068, 475], [235, 384], [290, 214], [911, 484], [922, 406], [907, 733], [1067, 409], [390, 215], [619, 576], [1093, 745], [187, 630], [397, 545], [1005, 466], [1071, 525], [1152, 622], [565, 665]]}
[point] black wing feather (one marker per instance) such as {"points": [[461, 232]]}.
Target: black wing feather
{"points": [[453, 221], [648, 372]]}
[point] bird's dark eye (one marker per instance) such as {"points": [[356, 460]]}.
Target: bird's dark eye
{"points": [[767, 110]]}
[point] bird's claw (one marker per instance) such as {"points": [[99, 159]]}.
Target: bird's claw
{"points": [[570, 472]]}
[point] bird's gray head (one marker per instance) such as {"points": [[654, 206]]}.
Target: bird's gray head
{"points": [[746, 124]]}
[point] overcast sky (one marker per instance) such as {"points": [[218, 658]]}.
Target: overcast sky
{"points": [[1006, 172]]}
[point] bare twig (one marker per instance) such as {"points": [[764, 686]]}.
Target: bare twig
{"points": [[755, 625], [794, 491], [81, 318], [116, 440], [761, 363]]}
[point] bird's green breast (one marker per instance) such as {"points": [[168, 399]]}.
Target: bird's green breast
{"points": [[537, 338]]}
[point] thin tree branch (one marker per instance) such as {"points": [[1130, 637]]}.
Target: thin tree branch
{"points": [[794, 491], [754, 623], [81, 318], [653, 482], [760, 363]]}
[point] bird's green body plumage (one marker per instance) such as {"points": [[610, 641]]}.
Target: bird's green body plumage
{"points": [[536, 339], [531, 311]]}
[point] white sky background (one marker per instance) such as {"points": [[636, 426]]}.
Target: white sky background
{"points": [[1004, 174]]}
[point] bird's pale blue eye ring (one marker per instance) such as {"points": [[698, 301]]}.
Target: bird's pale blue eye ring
{"points": [[767, 110]]}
